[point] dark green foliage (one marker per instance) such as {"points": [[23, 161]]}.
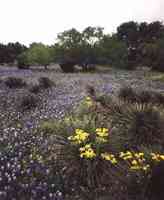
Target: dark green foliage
{"points": [[14, 82], [28, 102], [128, 94], [22, 61], [45, 82]]}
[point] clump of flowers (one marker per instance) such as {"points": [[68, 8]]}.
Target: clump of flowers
{"points": [[135, 160], [157, 157], [87, 152], [109, 157], [79, 136], [90, 143], [91, 146]]}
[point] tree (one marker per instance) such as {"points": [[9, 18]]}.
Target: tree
{"points": [[10, 52], [128, 32], [74, 47], [39, 53], [114, 50]]}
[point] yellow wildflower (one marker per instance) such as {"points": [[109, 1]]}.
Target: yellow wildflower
{"points": [[125, 156], [79, 137], [155, 157], [89, 153], [102, 132], [109, 157], [87, 146]]}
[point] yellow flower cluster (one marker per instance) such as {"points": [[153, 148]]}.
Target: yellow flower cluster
{"points": [[157, 157], [101, 135], [125, 156], [90, 148], [136, 160], [79, 136], [87, 152], [102, 132], [109, 157]]}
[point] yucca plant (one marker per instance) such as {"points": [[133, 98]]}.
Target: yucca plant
{"points": [[127, 94], [139, 124]]}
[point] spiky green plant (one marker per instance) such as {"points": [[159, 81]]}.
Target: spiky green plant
{"points": [[139, 124], [127, 94]]}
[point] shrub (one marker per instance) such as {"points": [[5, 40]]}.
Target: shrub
{"points": [[140, 125], [145, 96], [45, 82], [35, 89], [68, 67], [22, 61], [28, 102], [128, 94], [152, 97], [14, 82]]}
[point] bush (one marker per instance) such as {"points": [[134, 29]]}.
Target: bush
{"points": [[67, 67], [152, 97], [140, 125], [127, 94], [35, 89], [14, 82], [28, 102], [45, 82], [22, 61], [145, 97]]}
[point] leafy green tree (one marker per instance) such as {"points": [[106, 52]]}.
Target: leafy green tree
{"points": [[114, 50], [76, 47], [39, 54]]}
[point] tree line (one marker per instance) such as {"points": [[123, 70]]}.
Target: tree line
{"points": [[134, 44]]}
